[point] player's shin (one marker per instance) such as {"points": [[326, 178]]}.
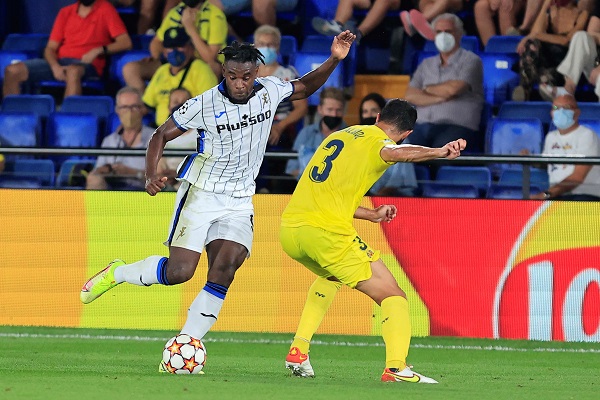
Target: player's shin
{"points": [[204, 310], [149, 271], [319, 298], [396, 331]]}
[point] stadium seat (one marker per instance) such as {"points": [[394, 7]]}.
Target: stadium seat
{"points": [[68, 173], [288, 46], [8, 182], [141, 42], [479, 177], [509, 136], [8, 57], [306, 62], [33, 44], [118, 61], [502, 191], [72, 130], [503, 44], [538, 178], [589, 110], [422, 173], [470, 43], [18, 129], [527, 109], [316, 44], [499, 79], [456, 190], [101, 106], [40, 104], [95, 85], [322, 44], [41, 170]]}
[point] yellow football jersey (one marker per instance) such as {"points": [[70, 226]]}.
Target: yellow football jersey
{"points": [[210, 21], [341, 171]]}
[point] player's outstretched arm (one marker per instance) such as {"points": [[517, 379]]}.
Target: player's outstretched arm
{"points": [[383, 213], [309, 83], [167, 131], [414, 153]]}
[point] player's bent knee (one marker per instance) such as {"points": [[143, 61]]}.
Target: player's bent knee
{"points": [[179, 272]]}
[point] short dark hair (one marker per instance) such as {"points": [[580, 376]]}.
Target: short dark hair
{"points": [[399, 113], [242, 52], [376, 97]]}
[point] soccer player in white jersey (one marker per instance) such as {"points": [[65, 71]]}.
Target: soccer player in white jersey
{"points": [[213, 208]]}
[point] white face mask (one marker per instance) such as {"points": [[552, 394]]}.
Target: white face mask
{"points": [[444, 42]]}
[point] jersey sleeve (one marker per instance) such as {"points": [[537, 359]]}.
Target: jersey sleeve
{"points": [[189, 115], [284, 88]]}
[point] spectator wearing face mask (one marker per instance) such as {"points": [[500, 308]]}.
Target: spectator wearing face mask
{"points": [[400, 178], [447, 90], [181, 71], [329, 119], [123, 172]]}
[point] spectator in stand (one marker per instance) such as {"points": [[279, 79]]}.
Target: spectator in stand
{"points": [[123, 172], [447, 90], [83, 35], [581, 58], [571, 181], [167, 166], [264, 12], [546, 46], [267, 40], [203, 22], [181, 71], [400, 178], [329, 119], [283, 132], [377, 10], [417, 20], [506, 12]]}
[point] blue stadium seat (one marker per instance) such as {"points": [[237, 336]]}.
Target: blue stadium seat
{"points": [[68, 170], [538, 178], [33, 44], [527, 109], [470, 43], [511, 136], [288, 46], [19, 129], [422, 173], [101, 106], [72, 130], [480, 177], [507, 192], [589, 110], [42, 170], [499, 79], [503, 44], [118, 61], [141, 42], [40, 104], [8, 57], [8, 182], [306, 62], [96, 85], [455, 190], [322, 44]]}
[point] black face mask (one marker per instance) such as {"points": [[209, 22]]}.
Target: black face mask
{"points": [[332, 122], [87, 3], [368, 121]]}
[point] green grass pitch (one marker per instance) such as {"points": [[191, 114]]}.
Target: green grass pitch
{"points": [[52, 363]]}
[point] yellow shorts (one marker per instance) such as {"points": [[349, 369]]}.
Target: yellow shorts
{"points": [[328, 254]]}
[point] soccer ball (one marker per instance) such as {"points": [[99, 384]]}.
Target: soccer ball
{"points": [[184, 354]]}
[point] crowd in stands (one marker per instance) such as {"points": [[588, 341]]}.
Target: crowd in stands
{"points": [[466, 61]]}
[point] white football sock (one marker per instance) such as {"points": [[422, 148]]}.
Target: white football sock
{"points": [[147, 272], [204, 310]]}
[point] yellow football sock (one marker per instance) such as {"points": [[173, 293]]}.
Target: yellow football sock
{"points": [[396, 332], [319, 298]]}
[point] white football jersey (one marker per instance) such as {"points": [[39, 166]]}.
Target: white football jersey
{"points": [[232, 137]]}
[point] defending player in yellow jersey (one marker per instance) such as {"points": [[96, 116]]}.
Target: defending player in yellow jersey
{"points": [[317, 230]]}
